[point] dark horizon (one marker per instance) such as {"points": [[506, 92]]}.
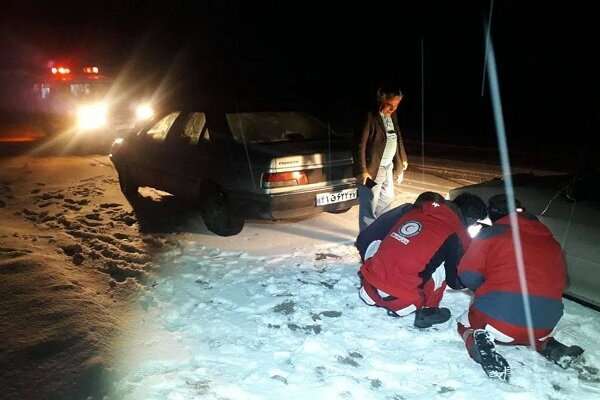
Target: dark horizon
{"points": [[331, 62]]}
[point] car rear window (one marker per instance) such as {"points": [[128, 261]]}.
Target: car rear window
{"points": [[277, 127]]}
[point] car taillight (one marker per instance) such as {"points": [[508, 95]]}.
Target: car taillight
{"points": [[281, 179]]}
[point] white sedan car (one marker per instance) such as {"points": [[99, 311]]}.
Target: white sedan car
{"points": [[569, 204]]}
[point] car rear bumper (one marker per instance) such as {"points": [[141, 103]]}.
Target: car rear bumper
{"points": [[291, 205]]}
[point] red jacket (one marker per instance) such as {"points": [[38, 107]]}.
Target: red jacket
{"points": [[489, 267], [416, 246]]}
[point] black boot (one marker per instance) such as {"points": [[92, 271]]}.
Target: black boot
{"points": [[425, 317], [483, 351], [560, 354]]}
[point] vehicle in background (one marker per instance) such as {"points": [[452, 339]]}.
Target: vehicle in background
{"points": [[239, 165], [569, 204], [86, 105]]}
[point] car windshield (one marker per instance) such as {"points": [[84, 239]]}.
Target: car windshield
{"points": [[263, 127]]}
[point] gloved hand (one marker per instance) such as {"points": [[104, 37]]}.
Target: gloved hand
{"points": [[404, 165], [362, 178]]}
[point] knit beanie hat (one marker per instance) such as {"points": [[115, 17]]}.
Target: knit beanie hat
{"points": [[498, 206], [471, 207]]}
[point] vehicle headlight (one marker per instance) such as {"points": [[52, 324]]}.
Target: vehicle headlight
{"points": [[92, 116], [144, 112]]}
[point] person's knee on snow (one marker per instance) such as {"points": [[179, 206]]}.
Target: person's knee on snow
{"points": [[397, 307]]}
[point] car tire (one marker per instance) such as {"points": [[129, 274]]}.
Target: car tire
{"points": [[219, 213], [127, 184]]}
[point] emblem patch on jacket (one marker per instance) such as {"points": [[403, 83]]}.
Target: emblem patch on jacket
{"points": [[407, 230]]}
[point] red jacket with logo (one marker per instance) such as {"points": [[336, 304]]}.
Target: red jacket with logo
{"points": [[420, 241]]}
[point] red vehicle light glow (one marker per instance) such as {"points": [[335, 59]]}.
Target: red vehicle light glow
{"points": [[60, 70], [280, 179]]}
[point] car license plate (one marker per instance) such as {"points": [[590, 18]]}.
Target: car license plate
{"points": [[335, 197]]}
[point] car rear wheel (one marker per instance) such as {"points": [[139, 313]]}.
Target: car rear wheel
{"points": [[127, 184], [219, 214]]}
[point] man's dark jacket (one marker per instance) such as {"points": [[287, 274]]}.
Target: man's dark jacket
{"points": [[369, 144]]}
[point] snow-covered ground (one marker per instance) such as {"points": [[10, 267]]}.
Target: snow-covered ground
{"points": [[100, 300], [226, 325]]}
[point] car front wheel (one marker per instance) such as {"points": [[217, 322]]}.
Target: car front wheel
{"points": [[127, 184], [219, 213]]}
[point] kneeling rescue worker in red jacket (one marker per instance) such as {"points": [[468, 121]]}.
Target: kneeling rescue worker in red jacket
{"points": [[497, 313], [408, 269]]}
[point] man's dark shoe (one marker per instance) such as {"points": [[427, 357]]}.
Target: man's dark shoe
{"points": [[425, 317], [560, 354], [483, 351]]}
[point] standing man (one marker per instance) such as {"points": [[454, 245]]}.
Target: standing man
{"points": [[497, 313], [379, 157]]}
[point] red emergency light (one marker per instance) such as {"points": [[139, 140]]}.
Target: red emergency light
{"points": [[60, 70], [90, 70]]}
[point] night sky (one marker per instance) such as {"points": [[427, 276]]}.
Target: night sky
{"points": [[309, 54]]}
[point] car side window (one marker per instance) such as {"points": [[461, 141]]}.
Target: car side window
{"points": [[159, 131], [195, 129]]}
